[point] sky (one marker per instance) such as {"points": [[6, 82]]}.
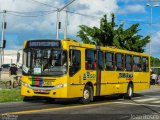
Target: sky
{"points": [[32, 19]]}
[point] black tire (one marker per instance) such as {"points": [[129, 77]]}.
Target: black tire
{"points": [[49, 100], [121, 96], [87, 95], [129, 93]]}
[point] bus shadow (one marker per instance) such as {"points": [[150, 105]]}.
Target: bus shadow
{"points": [[71, 101]]}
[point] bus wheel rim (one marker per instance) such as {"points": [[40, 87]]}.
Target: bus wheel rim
{"points": [[130, 91], [86, 94]]}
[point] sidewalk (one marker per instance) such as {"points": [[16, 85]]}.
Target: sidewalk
{"points": [[155, 87]]}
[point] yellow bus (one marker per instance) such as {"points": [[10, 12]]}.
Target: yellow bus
{"points": [[68, 69]]}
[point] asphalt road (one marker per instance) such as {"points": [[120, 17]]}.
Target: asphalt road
{"points": [[144, 105]]}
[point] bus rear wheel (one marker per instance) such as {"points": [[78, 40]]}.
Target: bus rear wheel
{"points": [[129, 93], [87, 95]]}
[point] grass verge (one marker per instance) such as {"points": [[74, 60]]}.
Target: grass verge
{"points": [[10, 95]]}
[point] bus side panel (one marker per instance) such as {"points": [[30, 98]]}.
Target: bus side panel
{"points": [[75, 90], [109, 80], [141, 81], [76, 84]]}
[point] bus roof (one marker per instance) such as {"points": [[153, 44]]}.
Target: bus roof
{"points": [[110, 48], [91, 46]]}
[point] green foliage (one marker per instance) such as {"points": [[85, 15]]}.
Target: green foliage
{"points": [[155, 62], [10, 95], [109, 34]]}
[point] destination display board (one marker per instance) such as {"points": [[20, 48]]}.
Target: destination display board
{"points": [[43, 44]]}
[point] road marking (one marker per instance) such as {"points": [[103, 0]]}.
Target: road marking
{"points": [[138, 104], [152, 96], [137, 97], [54, 109], [146, 99], [156, 101]]}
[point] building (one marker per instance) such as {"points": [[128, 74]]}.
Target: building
{"points": [[10, 56]]}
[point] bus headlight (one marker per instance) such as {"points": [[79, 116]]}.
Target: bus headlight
{"points": [[60, 86], [25, 84]]}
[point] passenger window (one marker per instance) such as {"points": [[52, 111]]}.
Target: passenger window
{"points": [[145, 65], [137, 64], [128, 63], [109, 61], [90, 60], [75, 61], [119, 62], [100, 60]]}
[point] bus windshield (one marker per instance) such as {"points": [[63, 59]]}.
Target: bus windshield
{"points": [[44, 62]]}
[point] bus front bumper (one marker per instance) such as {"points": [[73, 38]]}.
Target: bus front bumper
{"points": [[58, 91]]}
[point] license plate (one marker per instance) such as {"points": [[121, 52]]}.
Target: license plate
{"points": [[41, 91], [47, 83]]}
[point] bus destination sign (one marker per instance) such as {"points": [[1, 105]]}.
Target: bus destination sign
{"points": [[43, 43]]}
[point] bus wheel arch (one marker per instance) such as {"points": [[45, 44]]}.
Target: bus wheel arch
{"points": [[130, 90], [88, 94]]}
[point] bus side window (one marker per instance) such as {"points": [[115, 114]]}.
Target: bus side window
{"points": [[145, 64], [128, 62], [90, 60], [136, 64], [100, 60], [75, 61], [109, 61], [119, 62]]}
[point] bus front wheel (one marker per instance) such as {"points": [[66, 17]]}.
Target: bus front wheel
{"points": [[87, 95], [129, 93]]}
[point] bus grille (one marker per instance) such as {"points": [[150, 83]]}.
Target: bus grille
{"points": [[41, 92], [41, 86]]}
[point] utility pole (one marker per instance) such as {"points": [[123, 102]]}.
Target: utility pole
{"points": [[151, 21], [2, 40], [57, 26], [66, 22], [58, 17]]}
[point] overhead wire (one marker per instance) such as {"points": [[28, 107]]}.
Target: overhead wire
{"points": [[91, 16], [43, 13], [42, 3], [23, 14]]}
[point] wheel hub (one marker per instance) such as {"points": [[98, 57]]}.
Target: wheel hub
{"points": [[86, 94]]}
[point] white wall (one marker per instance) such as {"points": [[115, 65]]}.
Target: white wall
{"points": [[11, 56]]}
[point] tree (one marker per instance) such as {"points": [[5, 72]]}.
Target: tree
{"points": [[109, 34], [155, 62]]}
